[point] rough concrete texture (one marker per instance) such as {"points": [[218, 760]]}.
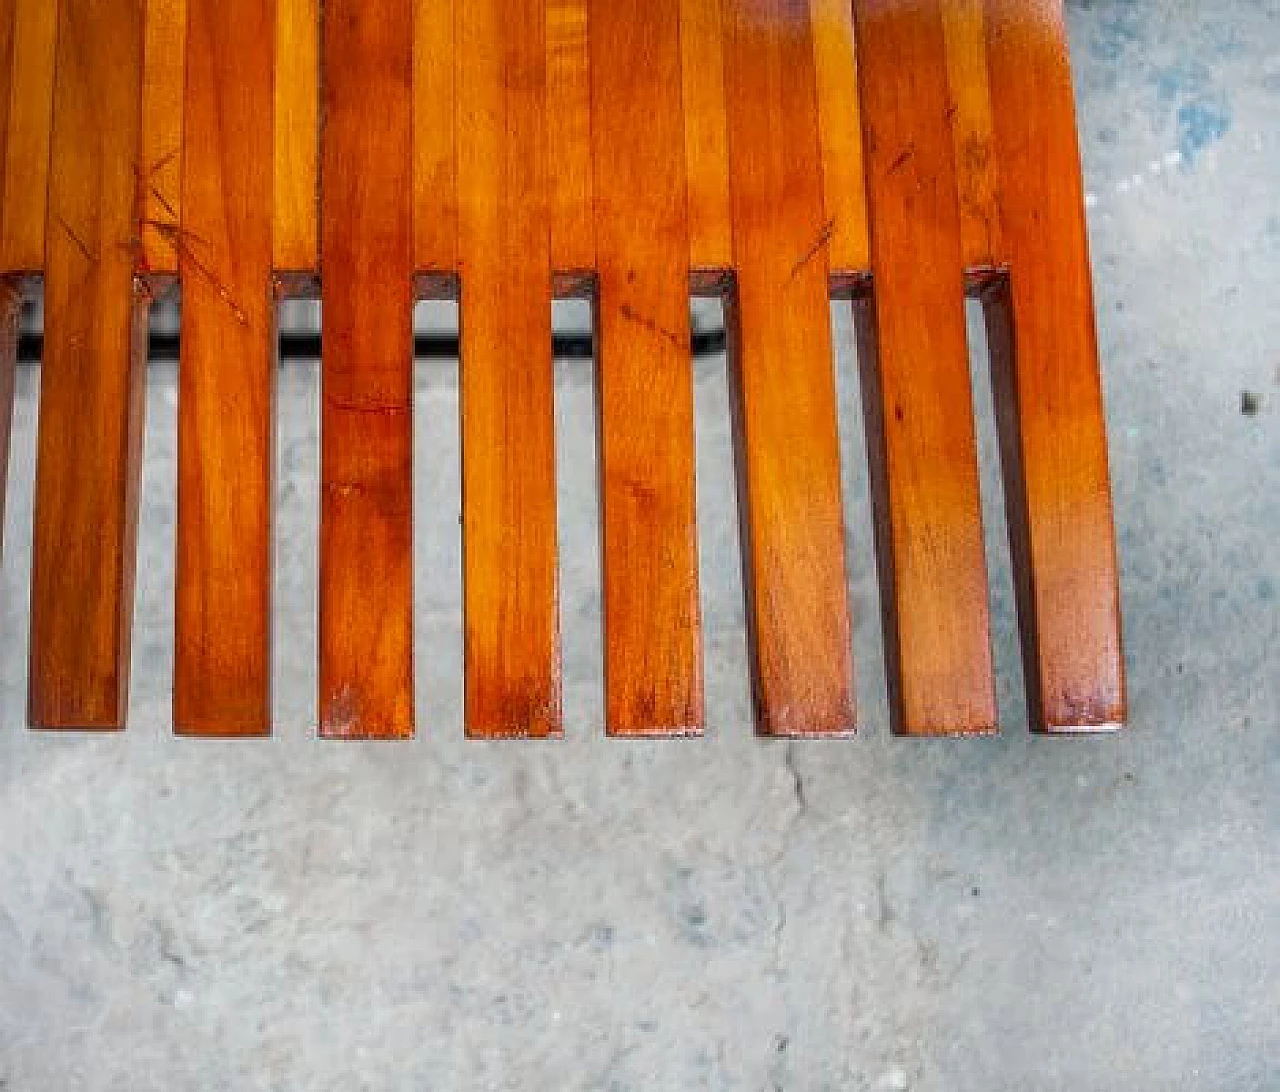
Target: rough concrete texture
{"points": [[727, 913]]}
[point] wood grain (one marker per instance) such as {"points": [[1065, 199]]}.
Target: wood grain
{"points": [[569, 137], [653, 668], [24, 187], [10, 310], [7, 12], [971, 128], [510, 562], [435, 212], [366, 522], [1048, 388], [917, 386], [160, 167], [840, 129], [706, 129], [296, 34], [788, 443], [91, 391], [226, 403]]}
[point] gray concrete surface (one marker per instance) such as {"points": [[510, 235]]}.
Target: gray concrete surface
{"points": [[727, 914]]}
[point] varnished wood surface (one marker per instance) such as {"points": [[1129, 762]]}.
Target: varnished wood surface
{"points": [[511, 645], [963, 25], [226, 383], [653, 658], [569, 136], [435, 172], [788, 444], [24, 187], [706, 124], [843, 164], [366, 455], [507, 151], [160, 165], [1048, 389], [7, 9], [295, 201], [916, 383], [91, 390]]}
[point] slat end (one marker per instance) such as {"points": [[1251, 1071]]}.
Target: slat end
{"points": [[947, 731], [849, 731], [74, 721], [654, 732], [498, 735], [367, 733], [76, 727], [221, 730], [1073, 731], [836, 719]]}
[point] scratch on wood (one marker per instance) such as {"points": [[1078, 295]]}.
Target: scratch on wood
{"points": [[824, 237], [164, 201], [83, 247], [645, 322], [377, 409], [147, 179], [904, 157], [177, 237]]}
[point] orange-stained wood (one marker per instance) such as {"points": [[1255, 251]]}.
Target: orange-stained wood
{"points": [[653, 665], [569, 136], [1048, 389], [366, 518], [23, 187], [508, 415], [435, 212], [788, 443], [226, 404], [917, 390], [845, 193], [706, 128], [296, 138], [91, 389], [7, 9], [971, 121], [160, 167], [512, 150], [10, 309]]}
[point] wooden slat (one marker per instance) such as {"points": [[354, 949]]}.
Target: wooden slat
{"points": [[788, 444], [653, 671], [91, 397], [10, 310], [23, 188], [569, 136], [971, 128], [706, 134], [435, 221], [366, 532], [226, 411], [160, 167], [7, 19], [840, 128], [508, 413], [917, 389], [296, 139], [1044, 350]]}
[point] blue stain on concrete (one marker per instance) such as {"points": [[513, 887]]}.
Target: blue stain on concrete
{"points": [[1202, 122], [1117, 32], [1201, 109]]}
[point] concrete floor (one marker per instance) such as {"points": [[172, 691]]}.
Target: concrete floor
{"points": [[727, 914]]}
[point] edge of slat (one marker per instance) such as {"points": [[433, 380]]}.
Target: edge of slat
{"points": [[10, 310]]}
